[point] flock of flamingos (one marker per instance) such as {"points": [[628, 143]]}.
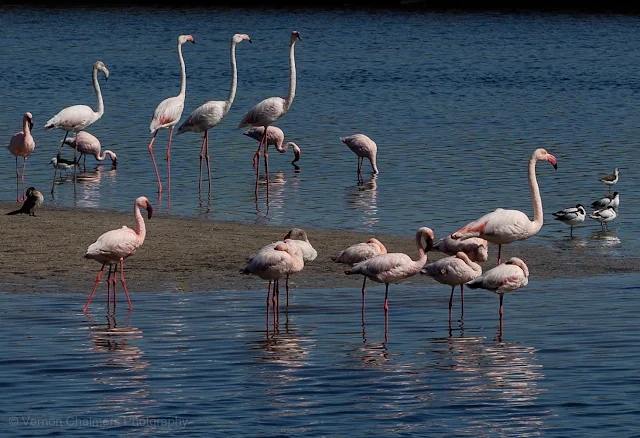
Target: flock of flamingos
{"points": [[465, 247]]}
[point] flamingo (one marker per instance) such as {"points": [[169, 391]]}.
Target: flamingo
{"points": [[168, 113], [608, 200], [114, 246], [360, 252], [571, 215], [88, 144], [21, 145], [297, 236], [77, 117], [363, 147], [275, 137], [511, 275], [604, 216], [453, 270], [474, 247], [275, 262], [210, 113], [396, 266], [32, 201], [271, 109], [502, 226], [610, 179]]}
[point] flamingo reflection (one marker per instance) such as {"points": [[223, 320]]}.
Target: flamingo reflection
{"points": [[363, 198]]}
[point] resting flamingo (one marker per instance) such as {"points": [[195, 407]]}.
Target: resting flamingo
{"points": [[210, 113], [455, 270], [77, 117], [21, 145], [363, 147], [167, 114], [88, 144], [474, 247], [271, 109], [275, 137], [396, 266], [502, 226], [114, 246], [511, 275], [360, 252]]}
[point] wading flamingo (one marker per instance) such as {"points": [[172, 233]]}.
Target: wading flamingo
{"points": [[88, 144], [167, 114], [571, 216], [275, 137], [114, 246], [210, 113], [455, 270], [360, 252], [507, 277], [363, 147], [502, 226], [611, 179], [271, 109], [21, 145], [77, 117], [33, 200], [604, 216], [608, 200], [474, 247]]}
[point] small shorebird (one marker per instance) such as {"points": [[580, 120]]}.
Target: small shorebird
{"points": [[608, 200], [571, 215], [604, 216], [611, 179], [33, 201], [62, 164]]}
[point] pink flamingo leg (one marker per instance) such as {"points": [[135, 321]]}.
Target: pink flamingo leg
{"points": [[169, 167], [154, 161], [501, 297], [24, 167], [95, 286], [462, 301], [109, 287], [287, 287], [18, 197], [208, 163], [115, 273], [499, 249], [204, 139], [124, 283], [386, 298], [62, 143], [266, 165], [451, 304]]}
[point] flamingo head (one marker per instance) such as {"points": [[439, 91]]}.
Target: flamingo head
{"points": [[296, 151], [543, 155], [295, 36], [184, 38], [519, 263], [143, 202], [374, 241], [297, 234], [29, 117], [99, 66], [427, 234], [239, 37]]}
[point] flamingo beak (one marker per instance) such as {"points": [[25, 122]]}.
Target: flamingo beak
{"points": [[553, 161], [429, 246], [149, 211], [30, 123]]}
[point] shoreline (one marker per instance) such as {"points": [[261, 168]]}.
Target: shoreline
{"points": [[193, 254]]}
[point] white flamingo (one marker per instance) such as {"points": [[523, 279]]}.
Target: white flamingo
{"points": [[363, 147], [275, 137], [360, 252], [502, 226], [455, 270], [571, 215], [475, 248], [22, 145], [88, 144], [210, 113], [167, 114], [271, 109]]}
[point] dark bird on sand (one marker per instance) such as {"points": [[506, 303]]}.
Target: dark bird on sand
{"points": [[33, 202]]}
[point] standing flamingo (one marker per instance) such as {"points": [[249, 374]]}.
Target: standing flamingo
{"points": [[502, 226], [77, 117], [271, 109], [511, 275], [275, 137], [474, 247], [363, 147], [88, 144], [210, 113], [396, 266], [115, 246], [21, 145], [167, 114], [453, 270], [358, 253]]}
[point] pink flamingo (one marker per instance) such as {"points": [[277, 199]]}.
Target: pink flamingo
{"points": [[271, 109], [511, 275], [115, 246], [88, 144], [502, 226], [77, 117], [168, 113], [209, 114], [394, 267], [358, 253], [474, 247], [21, 145], [275, 137], [455, 270], [363, 147]]}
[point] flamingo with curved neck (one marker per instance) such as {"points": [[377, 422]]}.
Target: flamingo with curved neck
{"points": [[88, 144], [502, 226], [21, 145], [275, 137]]}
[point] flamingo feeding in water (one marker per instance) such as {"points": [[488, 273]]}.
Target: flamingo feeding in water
{"points": [[210, 113], [77, 117], [167, 114], [88, 144], [502, 226], [114, 246], [571, 216], [275, 137], [360, 252], [474, 247], [21, 145], [363, 147], [271, 109]]}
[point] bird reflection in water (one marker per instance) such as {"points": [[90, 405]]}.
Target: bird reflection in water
{"points": [[363, 198], [283, 187], [374, 353], [284, 347], [606, 238]]}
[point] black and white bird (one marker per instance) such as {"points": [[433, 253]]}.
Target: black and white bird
{"points": [[611, 179], [604, 216], [571, 215], [608, 200], [31, 204]]}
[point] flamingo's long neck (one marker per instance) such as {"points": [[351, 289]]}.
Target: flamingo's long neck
{"points": [[535, 195], [234, 78], [96, 88], [141, 229], [183, 73], [25, 127], [373, 163], [103, 156], [422, 255], [292, 77]]}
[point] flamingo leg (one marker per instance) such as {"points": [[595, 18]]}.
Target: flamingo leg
{"points": [[287, 287], [124, 283], [169, 167], [204, 140], [155, 166], [75, 176], [499, 249], [109, 287], [386, 298], [501, 312], [62, 143], [115, 273], [24, 168], [208, 162], [18, 197], [462, 301], [451, 303], [266, 165], [364, 282], [95, 286]]}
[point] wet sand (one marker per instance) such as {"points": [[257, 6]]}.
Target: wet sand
{"points": [[45, 253]]}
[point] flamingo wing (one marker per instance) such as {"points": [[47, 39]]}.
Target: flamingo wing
{"points": [[205, 117], [76, 117], [385, 268], [357, 253], [500, 226], [167, 113], [114, 245], [503, 278], [264, 113]]}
